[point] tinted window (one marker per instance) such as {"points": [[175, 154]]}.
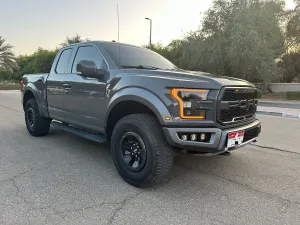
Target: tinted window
{"points": [[63, 61], [89, 53], [135, 56]]}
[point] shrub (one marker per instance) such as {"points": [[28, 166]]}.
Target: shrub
{"points": [[9, 87], [259, 94], [293, 95]]}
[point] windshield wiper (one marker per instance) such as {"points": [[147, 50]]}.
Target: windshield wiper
{"points": [[143, 67]]}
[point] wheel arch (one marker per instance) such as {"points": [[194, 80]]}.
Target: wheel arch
{"points": [[32, 92], [133, 101], [28, 94]]}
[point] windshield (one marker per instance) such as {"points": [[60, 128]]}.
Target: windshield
{"points": [[136, 57]]}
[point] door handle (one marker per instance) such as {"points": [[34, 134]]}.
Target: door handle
{"points": [[67, 86]]}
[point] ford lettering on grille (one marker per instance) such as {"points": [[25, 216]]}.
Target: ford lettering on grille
{"points": [[237, 104]]}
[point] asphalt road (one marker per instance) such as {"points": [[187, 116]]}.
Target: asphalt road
{"points": [[64, 179]]}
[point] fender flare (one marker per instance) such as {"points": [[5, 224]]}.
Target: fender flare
{"points": [[142, 96], [31, 88]]}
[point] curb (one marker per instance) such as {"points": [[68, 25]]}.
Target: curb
{"points": [[278, 102], [289, 115]]}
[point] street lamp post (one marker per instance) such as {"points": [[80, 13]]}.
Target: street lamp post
{"points": [[150, 44]]}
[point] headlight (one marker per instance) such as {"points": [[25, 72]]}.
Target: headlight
{"points": [[185, 98]]}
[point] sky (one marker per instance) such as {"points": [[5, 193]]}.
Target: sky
{"points": [[29, 24]]}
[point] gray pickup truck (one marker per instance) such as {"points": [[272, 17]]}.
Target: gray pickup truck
{"points": [[141, 104]]}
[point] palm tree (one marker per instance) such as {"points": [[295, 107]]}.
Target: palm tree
{"points": [[73, 40], [7, 57]]}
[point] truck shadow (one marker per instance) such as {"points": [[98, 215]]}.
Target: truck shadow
{"points": [[183, 163]]}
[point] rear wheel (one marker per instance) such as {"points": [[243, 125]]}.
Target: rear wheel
{"points": [[36, 125], [140, 151]]}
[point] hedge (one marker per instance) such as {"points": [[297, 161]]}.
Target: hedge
{"points": [[293, 95], [259, 94], [9, 87]]}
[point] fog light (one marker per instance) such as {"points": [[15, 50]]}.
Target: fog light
{"points": [[202, 137], [184, 137], [193, 137]]}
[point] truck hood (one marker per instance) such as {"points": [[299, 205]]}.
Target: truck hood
{"points": [[192, 79]]}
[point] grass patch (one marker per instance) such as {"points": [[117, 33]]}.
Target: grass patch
{"points": [[284, 96], [293, 95], [274, 96], [9, 87]]}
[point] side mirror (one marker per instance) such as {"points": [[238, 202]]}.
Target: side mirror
{"points": [[86, 68]]}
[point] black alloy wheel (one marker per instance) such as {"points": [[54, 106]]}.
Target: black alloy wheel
{"points": [[134, 151], [30, 118]]}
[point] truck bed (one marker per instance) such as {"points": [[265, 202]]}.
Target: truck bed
{"points": [[35, 77]]}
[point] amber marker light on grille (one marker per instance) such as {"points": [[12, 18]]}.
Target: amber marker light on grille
{"points": [[204, 93]]}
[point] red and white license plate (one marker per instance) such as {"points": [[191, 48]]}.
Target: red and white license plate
{"points": [[235, 138]]}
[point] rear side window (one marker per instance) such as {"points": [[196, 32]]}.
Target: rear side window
{"points": [[89, 53], [63, 61]]}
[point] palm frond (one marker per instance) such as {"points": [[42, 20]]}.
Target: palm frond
{"points": [[7, 57]]}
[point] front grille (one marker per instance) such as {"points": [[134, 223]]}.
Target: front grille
{"points": [[252, 133], [237, 105], [233, 95], [237, 113]]}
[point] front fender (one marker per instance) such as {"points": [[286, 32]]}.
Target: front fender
{"points": [[144, 97]]}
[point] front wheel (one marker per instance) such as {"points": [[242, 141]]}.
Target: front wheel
{"points": [[140, 151], [36, 125]]}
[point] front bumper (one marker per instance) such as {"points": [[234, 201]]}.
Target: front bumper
{"points": [[217, 142]]}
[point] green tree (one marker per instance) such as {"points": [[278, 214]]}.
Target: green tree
{"points": [[290, 65], [239, 38], [157, 47], [43, 60], [5, 75], [38, 62], [7, 57], [289, 61], [243, 38], [73, 40], [293, 25], [172, 51]]}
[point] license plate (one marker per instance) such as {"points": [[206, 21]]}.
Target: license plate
{"points": [[235, 138]]}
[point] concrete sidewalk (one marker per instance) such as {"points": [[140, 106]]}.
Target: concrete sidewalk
{"points": [[280, 104], [278, 111]]}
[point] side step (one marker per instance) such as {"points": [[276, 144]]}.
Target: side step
{"points": [[93, 137]]}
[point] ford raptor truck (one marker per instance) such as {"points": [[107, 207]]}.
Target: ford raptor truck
{"points": [[145, 107]]}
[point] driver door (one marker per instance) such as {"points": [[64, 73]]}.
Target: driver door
{"points": [[84, 101]]}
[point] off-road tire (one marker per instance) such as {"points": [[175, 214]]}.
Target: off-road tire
{"points": [[159, 154], [40, 125]]}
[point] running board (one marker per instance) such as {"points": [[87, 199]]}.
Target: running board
{"points": [[93, 137]]}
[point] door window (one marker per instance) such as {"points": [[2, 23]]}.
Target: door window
{"points": [[89, 53], [63, 62]]}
